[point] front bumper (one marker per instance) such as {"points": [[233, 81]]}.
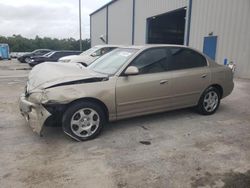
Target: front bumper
{"points": [[35, 114]]}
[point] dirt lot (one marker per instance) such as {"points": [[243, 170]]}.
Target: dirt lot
{"points": [[174, 149]]}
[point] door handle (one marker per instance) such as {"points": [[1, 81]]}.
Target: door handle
{"points": [[204, 76], [163, 81]]}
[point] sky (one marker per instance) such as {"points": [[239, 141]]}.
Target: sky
{"points": [[46, 18]]}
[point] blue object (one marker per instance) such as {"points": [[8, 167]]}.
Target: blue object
{"points": [[209, 46], [225, 61], [4, 51]]}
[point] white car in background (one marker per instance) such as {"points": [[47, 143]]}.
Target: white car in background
{"points": [[88, 56]]}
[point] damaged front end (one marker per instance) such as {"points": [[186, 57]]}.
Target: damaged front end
{"points": [[46, 96], [39, 111], [42, 107], [35, 114]]}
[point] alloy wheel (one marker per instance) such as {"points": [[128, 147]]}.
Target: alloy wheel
{"points": [[85, 122], [211, 101]]}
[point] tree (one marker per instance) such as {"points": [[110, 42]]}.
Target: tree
{"points": [[18, 43]]}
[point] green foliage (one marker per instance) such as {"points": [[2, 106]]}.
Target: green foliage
{"points": [[18, 43]]}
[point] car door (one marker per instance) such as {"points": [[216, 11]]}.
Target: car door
{"points": [[190, 76], [57, 55], [147, 92]]}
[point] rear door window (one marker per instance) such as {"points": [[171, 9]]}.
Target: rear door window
{"points": [[183, 58], [58, 55], [69, 53]]}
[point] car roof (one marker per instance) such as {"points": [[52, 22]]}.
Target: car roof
{"points": [[66, 51], [147, 46], [154, 46], [107, 45], [42, 49]]}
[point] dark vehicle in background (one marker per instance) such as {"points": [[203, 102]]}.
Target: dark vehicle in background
{"points": [[50, 57], [39, 52]]}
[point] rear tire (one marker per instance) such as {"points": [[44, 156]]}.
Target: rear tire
{"points": [[209, 101], [83, 120]]}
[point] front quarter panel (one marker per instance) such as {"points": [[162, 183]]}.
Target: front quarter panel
{"points": [[103, 91]]}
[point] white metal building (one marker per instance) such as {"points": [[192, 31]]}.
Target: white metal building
{"points": [[219, 28]]}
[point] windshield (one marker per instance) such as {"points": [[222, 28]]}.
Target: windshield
{"points": [[35, 51], [49, 54], [89, 51], [113, 61]]}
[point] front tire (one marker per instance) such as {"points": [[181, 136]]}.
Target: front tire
{"points": [[83, 121], [209, 101]]}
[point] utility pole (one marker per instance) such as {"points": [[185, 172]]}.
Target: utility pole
{"points": [[80, 23]]}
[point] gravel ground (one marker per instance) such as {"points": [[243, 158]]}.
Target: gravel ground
{"points": [[173, 149]]}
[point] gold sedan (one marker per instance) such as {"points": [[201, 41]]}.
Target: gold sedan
{"points": [[127, 82]]}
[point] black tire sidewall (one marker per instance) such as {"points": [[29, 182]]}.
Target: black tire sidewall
{"points": [[71, 111], [200, 106]]}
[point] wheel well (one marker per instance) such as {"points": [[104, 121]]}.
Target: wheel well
{"points": [[220, 89], [93, 100]]}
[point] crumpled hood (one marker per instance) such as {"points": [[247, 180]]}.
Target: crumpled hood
{"points": [[50, 74], [83, 59]]}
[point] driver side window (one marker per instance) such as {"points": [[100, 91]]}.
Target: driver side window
{"points": [[96, 53], [37, 53], [151, 61]]}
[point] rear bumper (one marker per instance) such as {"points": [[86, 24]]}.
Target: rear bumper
{"points": [[227, 89], [34, 114]]}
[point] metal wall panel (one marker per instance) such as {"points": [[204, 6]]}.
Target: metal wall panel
{"points": [[148, 8], [120, 22], [98, 27], [230, 21]]}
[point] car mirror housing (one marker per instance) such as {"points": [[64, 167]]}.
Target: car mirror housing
{"points": [[94, 54], [131, 70]]}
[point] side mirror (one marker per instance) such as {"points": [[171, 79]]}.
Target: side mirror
{"points": [[131, 70], [94, 54]]}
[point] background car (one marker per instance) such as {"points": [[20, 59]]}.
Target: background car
{"points": [[24, 58], [90, 55], [13, 55], [127, 82], [51, 57]]}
